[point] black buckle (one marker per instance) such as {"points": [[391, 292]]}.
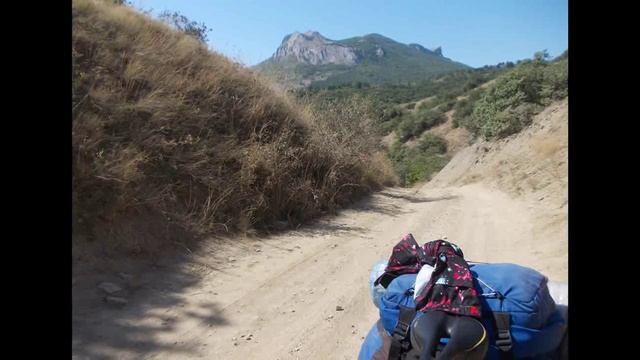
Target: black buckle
{"points": [[503, 340], [503, 333], [399, 342], [402, 329]]}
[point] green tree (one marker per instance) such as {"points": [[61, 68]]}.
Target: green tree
{"points": [[541, 56], [182, 23]]}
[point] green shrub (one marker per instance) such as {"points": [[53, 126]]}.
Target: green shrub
{"points": [[446, 106], [415, 124], [509, 121], [507, 107], [422, 168], [462, 111], [555, 82], [419, 163], [433, 144], [392, 112]]}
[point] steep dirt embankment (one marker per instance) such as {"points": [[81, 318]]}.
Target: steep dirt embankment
{"points": [[531, 167]]}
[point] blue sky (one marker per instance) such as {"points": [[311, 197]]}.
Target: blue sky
{"points": [[473, 32]]}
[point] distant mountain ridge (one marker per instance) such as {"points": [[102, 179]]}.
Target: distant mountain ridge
{"points": [[309, 58]]}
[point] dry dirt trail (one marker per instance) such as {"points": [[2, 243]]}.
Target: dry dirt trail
{"points": [[276, 298]]}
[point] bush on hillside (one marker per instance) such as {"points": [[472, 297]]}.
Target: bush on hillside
{"points": [[555, 82], [416, 123], [182, 23], [433, 144], [509, 121], [507, 107], [391, 112], [419, 163], [446, 105]]}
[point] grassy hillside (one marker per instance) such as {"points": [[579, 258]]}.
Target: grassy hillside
{"points": [[171, 140], [391, 99], [490, 102], [408, 110]]}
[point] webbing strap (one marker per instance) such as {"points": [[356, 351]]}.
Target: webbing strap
{"points": [[399, 340], [503, 334]]}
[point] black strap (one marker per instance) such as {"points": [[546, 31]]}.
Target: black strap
{"points": [[503, 334], [399, 340]]}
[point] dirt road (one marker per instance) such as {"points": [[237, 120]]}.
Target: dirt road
{"points": [[276, 298]]}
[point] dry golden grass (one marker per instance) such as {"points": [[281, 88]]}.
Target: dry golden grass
{"points": [[546, 147], [168, 133]]}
